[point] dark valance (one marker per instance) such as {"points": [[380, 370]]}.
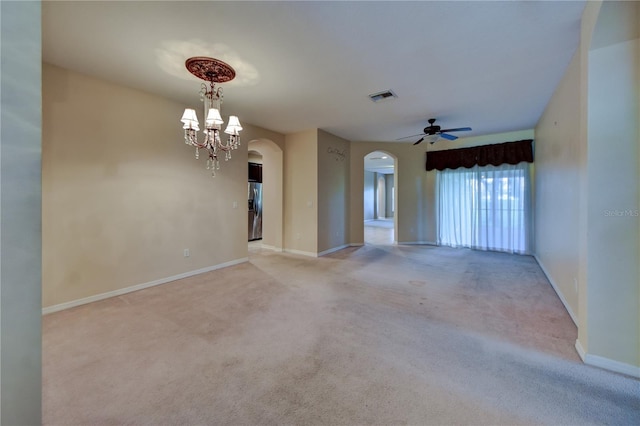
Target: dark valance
{"points": [[496, 154]]}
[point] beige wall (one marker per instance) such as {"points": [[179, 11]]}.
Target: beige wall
{"points": [[316, 182], [301, 192], [557, 182], [586, 168], [333, 191], [123, 195]]}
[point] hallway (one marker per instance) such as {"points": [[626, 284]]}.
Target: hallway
{"points": [[378, 232]]}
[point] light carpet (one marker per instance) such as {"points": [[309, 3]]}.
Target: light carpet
{"points": [[365, 336]]}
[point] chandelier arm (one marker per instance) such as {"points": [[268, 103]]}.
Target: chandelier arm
{"points": [[203, 91], [225, 147], [193, 140]]}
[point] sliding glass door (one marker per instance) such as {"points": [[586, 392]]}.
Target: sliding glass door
{"points": [[485, 208]]}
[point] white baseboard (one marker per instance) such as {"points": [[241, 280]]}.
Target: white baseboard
{"points": [[274, 248], [611, 365], [580, 350], [356, 244], [331, 250], [119, 292], [607, 364], [417, 243], [300, 252], [557, 290], [322, 253]]}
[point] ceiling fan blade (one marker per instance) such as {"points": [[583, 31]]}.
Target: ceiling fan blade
{"points": [[457, 129], [449, 137], [416, 143], [408, 137]]}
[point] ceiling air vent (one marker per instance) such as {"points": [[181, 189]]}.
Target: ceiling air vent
{"points": [[380, 96]]}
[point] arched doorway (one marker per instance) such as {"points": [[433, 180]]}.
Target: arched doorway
{"points": [[379, 210], [255, 199], [270, 156]]}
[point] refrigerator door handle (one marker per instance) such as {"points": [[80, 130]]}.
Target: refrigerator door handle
{"points": [[254, 199]]}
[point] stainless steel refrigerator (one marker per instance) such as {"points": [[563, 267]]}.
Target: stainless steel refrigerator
{"points": [[255, 211]]}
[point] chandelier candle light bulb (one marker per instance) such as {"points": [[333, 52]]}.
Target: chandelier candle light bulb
{"points": [[212, 71]]}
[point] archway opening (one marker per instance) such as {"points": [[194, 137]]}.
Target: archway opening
{"points": [[379, 198], [254, 196], [267, 157]]}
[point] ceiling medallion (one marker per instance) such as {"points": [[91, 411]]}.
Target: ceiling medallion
{"points": [[212, 71]]}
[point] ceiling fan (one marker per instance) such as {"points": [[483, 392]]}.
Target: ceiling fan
{"points": [[433, 133]]}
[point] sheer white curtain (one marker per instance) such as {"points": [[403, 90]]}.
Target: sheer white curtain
{"points": [[487, 208]]}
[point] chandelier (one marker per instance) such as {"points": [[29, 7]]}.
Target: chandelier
{"points": [[212, 71]]}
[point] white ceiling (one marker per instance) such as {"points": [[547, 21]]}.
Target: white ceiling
{"points": [[492, 66]]}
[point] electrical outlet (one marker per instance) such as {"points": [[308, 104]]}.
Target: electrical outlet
{"points": [[187, 253]]}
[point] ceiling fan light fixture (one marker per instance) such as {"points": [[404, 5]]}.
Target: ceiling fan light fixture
{"points": [[433, 132], [431, 138]]}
